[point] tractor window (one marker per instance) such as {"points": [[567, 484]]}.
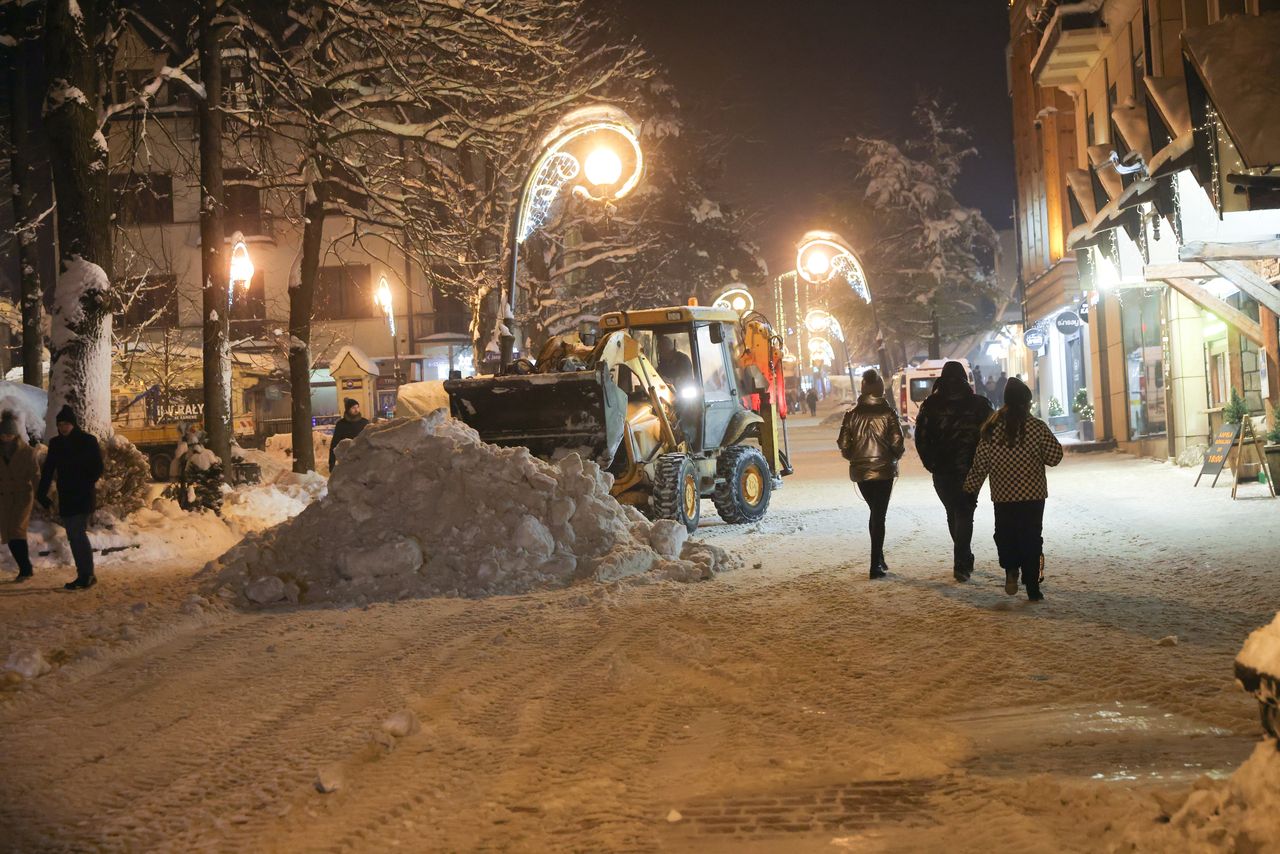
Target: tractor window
{"points": [[670, 351], [715, 373]]}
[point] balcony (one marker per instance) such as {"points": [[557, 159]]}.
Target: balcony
{"points": [[1072, 44]]}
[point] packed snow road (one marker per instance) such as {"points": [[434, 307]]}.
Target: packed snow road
{"points": [[789, 706]]}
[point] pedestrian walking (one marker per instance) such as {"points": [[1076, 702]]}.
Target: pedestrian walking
{"points": [[19, 476], [871, 440], [74, 462], [351, 425], [992, 393], [1014, 450], [812, 400], [1001, 382], [947, 432]]}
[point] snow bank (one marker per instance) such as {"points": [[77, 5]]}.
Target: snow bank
{"points": [[423, 507], [280, 447], [28, 405], [414, 399], [1261, 652]]}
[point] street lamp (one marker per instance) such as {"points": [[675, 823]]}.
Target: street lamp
{"points": [[382, 299], [737, 299], [613, 166], [822, 256], [821, 321], [241, 268]]}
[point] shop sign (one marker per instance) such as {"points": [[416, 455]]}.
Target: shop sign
{"points": [[350, 384], [178, 406], [1068, 323], [1216, 457], [1034, 339]]}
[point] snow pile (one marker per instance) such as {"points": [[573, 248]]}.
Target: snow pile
{"points": [[280, 446], [28, 405], [1241, 813], [257, 508], [423, 507], [1261, 652], [414, 399]]}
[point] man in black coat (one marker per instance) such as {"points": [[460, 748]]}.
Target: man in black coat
{"points": [[76, 460], [351, 425], [947, 433]]}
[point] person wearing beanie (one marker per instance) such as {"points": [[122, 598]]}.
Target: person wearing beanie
{"points": [[351, 425], [947, 431], [74, 462], [19, 476], [871, 440], [1014, 449]]}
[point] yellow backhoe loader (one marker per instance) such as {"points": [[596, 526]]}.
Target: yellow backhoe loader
{"points": [[678, 404]]}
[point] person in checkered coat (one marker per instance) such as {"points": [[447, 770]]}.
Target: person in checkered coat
{"points": [[1014, 449]]}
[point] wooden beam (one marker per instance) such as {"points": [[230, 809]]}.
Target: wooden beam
{"points": [[1252, 250], [1249, 282], [1192, 270], [1247, 326]]}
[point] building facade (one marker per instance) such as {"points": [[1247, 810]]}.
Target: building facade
{"points": [[1147, 208]]}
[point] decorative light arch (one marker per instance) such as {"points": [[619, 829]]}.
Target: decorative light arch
{"points": [[823, 255], [737, 298]]}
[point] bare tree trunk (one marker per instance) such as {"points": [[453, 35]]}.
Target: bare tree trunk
{"points": [[214, 263], [301, 301], [24, 208], [78, 61]]}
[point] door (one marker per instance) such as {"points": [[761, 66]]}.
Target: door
{"points": [[719, 391]]}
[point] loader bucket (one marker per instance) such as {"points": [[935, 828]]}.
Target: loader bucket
{"points": [[582, 411]]}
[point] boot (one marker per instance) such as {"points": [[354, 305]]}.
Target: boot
{"points": [[879, 569], [1011, 582], [22, 557]]}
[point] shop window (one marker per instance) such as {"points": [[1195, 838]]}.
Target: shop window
{"points": [[343, 293], [143, 198], [1141, 324]]}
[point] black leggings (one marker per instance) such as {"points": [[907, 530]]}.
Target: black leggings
{"points": [[21, 556], [876, 493]]}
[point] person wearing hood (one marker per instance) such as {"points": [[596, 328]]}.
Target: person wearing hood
{"points": [[871, 440], [947, 432], [19, 475], [75, 461], [1014, 450], [351, 425]]}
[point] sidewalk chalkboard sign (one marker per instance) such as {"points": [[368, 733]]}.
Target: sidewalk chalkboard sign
{"points": [[1216, 458]]}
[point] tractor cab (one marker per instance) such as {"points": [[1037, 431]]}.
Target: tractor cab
{"points": [[693, 349]]}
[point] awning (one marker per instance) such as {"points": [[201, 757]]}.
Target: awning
{"points": [[1079, 187], [1132, 124], [1108, 177], [1236, 65], [1174, 157], [1121, 212], [1170, 97]]}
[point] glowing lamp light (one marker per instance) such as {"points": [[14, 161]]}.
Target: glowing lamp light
{"points": [[818, 264], [382, 299], [689, 392], [821, 351], [738, 299], [241, 271], [817, 320], [603, 167], [822, 256]]}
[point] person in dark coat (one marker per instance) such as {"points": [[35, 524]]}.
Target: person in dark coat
{"points": [[947, 432], [811, 400], [19, 475], [871, 440], [1014, 451], [351, 425], [75, 462]]}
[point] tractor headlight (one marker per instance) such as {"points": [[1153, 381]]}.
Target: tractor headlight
{"points": [[689, 392]]}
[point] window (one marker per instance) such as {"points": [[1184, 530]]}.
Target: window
{"points": [[343, 292], [150, 301], [1140, 318], [715, 374], [243, 203], [1230, 7], [251, 304], [143, 198]]}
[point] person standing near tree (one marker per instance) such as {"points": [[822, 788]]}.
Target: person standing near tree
{"points": [[19, 475], [947, 432], [75, 461], [1014, 450], [351, 425], [871, 440]]}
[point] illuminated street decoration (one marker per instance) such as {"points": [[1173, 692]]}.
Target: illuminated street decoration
{"points": [[822, 256], [821, 351], [382, 299], [818, 320], [241, 268], [608, 129], [738, 299]]}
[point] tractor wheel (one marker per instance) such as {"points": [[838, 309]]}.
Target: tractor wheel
{"points": [[743, 485], [675, 491]]}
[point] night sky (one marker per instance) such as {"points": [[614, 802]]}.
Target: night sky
{"points": [[787, 81]]}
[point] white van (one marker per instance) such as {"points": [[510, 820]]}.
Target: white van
{"points": [[911, 386]]}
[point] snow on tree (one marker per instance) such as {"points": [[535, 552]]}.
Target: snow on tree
{"points": [[923, 250], [666, 242]]}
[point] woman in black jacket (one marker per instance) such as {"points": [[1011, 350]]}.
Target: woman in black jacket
{"points": [[871, 440]]}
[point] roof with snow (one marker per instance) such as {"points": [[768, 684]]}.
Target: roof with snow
{"points": [[357, 355]]}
